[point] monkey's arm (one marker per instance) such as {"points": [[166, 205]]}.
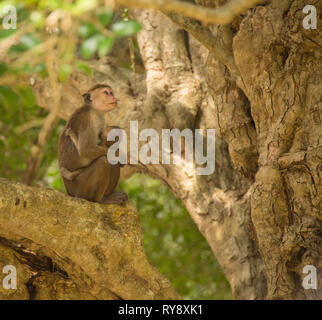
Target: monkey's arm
{"points": [[68, 174], [103, 136], [104, 141], [87, 142]]}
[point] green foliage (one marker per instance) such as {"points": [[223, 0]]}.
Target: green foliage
{"points": [[173, 243], [95, 37], [83, 67], [96, 42], [89, 47], [18, 108], [105, 45], [126, 28], [27, 97], [37, 18], [64, 72], [106, 18], [8, 97], [6, 33], [40, 69], [86, 30], [53, 176], [3, 68], [26, 43]]}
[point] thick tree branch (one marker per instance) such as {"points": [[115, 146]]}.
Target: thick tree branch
{"points": [[97, 246], [215, 45], [221, 15]]}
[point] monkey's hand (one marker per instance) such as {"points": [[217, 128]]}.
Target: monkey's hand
{"points": [[103, 136]]}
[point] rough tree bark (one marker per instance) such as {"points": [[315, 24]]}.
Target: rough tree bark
{"points": [[258, 83], [69, 248]]}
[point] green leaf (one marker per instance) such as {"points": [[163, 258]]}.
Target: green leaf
{"points": [[37, 18], [24, 68], [27, 42], [3, 69], [126, 28], [64, 72], [105, 45], [4, 33], [41, 69], [125, 14], [81, 6], [27, 97], [86, 30], [89, 47], [83, 67], [22, 12], [8, 96], [105, 18]]}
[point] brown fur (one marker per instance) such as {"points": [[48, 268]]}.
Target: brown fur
{"points": [[82, 157]]}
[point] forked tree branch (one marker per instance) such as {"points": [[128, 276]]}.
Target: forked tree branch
{"points": [[215, 44]]}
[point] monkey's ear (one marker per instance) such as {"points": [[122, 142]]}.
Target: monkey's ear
{"points": [[87, 98]]}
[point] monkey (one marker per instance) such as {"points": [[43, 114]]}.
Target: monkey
{"points": [[70, 175], [82, 150]]}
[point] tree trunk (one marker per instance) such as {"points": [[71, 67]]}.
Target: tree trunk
{"points": [[258, 83]]}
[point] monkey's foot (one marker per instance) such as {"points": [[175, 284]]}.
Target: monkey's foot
{"points": [[116, 198]]}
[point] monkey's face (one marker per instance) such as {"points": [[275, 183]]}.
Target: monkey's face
{"points": [[103, 99]]}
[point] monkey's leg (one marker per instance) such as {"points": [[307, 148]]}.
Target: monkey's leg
{"points": [[114, 197], [114, 179], [92, 182]]}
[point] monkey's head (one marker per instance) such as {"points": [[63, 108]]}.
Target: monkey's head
{"points": [[101, 98]]}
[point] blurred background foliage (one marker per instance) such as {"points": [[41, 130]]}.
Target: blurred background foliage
{"points": [[172, 242]]}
